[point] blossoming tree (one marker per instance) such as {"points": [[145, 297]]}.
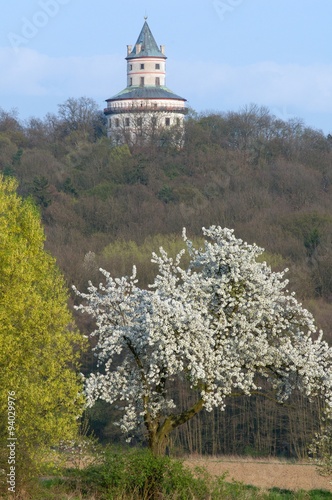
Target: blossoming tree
{"points": [[217, 324]]}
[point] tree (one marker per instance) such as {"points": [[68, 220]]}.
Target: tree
{"points": [[41, 191], [217, 325], [82, 116], [39, 345]]}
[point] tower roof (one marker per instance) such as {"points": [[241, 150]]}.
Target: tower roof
{"points": [[146, 45], [146, 93]]}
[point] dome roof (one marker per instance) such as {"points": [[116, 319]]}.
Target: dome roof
{"points": [[147, 92]]}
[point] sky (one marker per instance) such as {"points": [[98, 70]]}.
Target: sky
{"points": [[222, 55]]}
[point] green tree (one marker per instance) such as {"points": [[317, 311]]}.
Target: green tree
{"points": [[41, 192], [39, 345]]}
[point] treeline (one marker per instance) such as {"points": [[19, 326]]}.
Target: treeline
{"points": [[105, 206]]}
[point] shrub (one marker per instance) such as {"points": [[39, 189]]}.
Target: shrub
{"points": [[137, 474]]}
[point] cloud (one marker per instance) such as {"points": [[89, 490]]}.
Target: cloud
{"points": [[308, 88], [26, 72]]}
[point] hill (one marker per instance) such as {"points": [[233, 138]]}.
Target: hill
{"points": [[109, 207]]}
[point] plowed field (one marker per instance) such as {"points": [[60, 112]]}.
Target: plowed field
{"points": [[264, 473]]}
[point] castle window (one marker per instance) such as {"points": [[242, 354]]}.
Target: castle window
{"points": [[131, 82], [167, 122], [117, 122], [139, 122], [157, 66], [127, 122], [142, 66], [157, 81], [110, 123], [130, 67], [142, 81], [178, 121]]}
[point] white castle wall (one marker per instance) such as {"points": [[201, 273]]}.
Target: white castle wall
{"points": [[133, 126], [147, 68], [132, 116]]}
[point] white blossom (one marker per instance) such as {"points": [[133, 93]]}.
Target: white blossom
{"points": [[217, 324]]}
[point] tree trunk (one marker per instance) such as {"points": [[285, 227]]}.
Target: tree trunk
{"points": [[158, 433], [158, 444]]}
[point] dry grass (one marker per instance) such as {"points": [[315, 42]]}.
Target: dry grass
{"points": [[264, 472]]}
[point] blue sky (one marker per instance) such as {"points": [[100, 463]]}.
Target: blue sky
{"points": [[222, 54]]}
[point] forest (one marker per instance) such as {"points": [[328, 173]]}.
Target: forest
{"points": [[110, 206]]}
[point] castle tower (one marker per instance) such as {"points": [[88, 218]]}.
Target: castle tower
{"points": [[146, 106]]}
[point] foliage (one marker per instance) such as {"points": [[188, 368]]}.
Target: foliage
{"points": [[81, 117], [41, 191], [121, 255], [82, 450], [138, 475], [39, 345], [135, 474], [217, 324], [166, 194], [321, 447], [269, 179]]}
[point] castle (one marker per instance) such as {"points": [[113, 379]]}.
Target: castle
{"points": [[146, 107]]}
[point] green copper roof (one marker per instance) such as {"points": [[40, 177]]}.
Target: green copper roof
{"points": [[146, 93], [149, 47]]}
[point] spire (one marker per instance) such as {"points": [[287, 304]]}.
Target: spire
{"points": [[146, 45]]}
